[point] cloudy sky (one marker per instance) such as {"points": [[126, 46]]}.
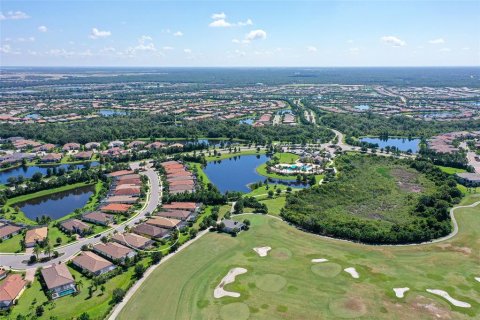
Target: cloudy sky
{"points": [[239, 33]]}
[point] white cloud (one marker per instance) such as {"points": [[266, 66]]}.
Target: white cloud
{"points": [[144, 39], [354, 50], [167, 48], [95, 34], [178, 34], [14, 15], [187, 51], [219, 16], [220, 21], [312, 49], [247, 22], [29, 39], [6, 48], [258, 34], [445, 50], [236, 41], [393, 41], [437, 41], [42, 29]]}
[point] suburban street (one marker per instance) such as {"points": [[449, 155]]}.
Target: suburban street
{"points": [[18, 261]]}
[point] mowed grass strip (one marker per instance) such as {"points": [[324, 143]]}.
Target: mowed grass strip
{"points": [[182, 288]]}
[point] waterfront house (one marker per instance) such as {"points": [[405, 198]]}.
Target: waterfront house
{"points": [[71, 146], [7, 231], [98, 217], [92, 145], [75, 226], [51, 157], [116, 208]]}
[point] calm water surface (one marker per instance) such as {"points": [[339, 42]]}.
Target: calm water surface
{"points": [[235, 174], [56, 205], [403, 144]]}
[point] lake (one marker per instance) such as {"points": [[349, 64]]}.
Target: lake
{"points": [[56, 205], [28, 172], [236, 173], [403, 144]]}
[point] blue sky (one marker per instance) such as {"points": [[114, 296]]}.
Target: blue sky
{"points": [[239, 33]]}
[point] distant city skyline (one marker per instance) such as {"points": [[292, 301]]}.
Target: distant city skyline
{"points": [[240, 33]]}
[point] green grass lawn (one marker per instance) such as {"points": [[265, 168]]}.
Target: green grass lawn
{"points": [[286, 157], [451, 170], [201, 174], [275, 205], [287, 285], [69, 307], [11, 245]]}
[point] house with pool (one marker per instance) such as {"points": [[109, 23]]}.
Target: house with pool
{"points": [[58, 280]]}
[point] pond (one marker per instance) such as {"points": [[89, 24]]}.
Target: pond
{"points": [[56, 205], [110, 112], [362, 107], [403, 144], [246, 121], [28, 172], [236, 173]]}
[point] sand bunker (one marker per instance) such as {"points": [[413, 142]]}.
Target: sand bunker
{"points": [[319, 260], [477, 278], [352, 272], [446, 296], [262, 251], [399, 292], [219, 292]]}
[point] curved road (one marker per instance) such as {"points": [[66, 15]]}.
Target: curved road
{"points": [[18, 261]]}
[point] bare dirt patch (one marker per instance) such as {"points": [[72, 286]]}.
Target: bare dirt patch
{"points": [[349, 307], [431, 307], [406, 180]]}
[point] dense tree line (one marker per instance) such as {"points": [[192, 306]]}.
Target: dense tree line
{"points": [[377, 125], [156, 127], [317, 209]]}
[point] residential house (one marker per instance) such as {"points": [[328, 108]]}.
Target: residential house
{"points": [[116, 144], [114, 251], [75, 226], [58, 280], [71, 146], [93, 263], [98, 217], [34, 236], [232, 225], [468, 179], [150, 231], [92, 145], [132, 240], [10, 290], [136, 144], [51, 157], [7, 231], [116, 208], [83, 155], [165, 223], [183, 215]]}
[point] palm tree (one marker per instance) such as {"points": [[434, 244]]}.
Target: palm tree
{"points": [[48, 250], [79, 284], [37, 250]]}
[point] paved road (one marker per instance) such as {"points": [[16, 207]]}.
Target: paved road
{"points": [[18, 261]]}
